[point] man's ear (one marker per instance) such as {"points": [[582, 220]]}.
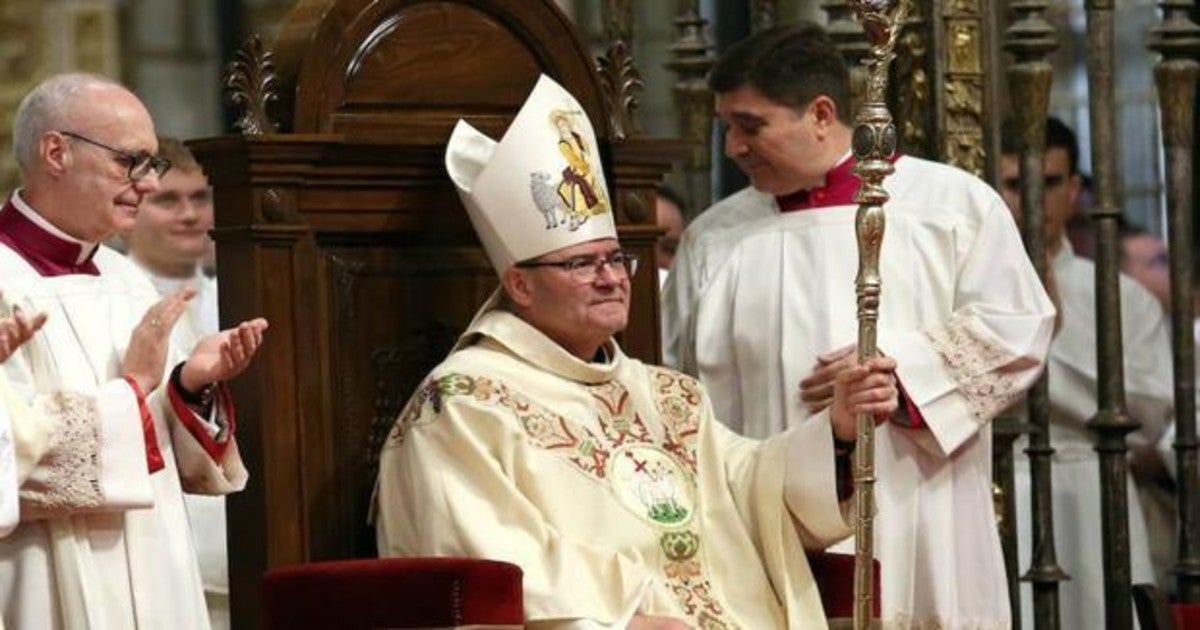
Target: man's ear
{"points": [[53, 153], [824, 110], [516, 283]]}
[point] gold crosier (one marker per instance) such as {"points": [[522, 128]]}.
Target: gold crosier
{"points": [[874, 144]]}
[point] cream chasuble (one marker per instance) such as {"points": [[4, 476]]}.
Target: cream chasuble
{"points": [[756, 295], [103, 543], [610, 485], [1075, 469]]}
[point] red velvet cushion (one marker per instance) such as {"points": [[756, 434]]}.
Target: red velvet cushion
{"points": [[834, 574], [1187, 616], [393, 593]]}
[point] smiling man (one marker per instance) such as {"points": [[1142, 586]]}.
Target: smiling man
{"points": [[761, 306], [538, 442], [103, 539]]}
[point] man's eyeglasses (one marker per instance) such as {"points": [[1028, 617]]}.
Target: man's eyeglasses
{"points": [[586, 269], [140, 164]]}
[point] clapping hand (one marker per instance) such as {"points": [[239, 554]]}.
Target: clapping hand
{"points": [[146, 355], [222, 356], [18, 329]]}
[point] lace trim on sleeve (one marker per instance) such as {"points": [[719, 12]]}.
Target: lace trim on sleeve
{"points": [[977, 363], [69, 474]]}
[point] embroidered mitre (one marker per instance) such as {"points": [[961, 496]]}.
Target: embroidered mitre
{"points": [[541, 187]]}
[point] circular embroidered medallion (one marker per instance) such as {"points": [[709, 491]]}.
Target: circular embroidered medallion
{"points": [[651, 484]]}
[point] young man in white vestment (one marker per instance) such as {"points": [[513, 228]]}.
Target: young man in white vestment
{"points": [[760, 305], [169, 242], [103, 540], [608, 481], [1075, 471]]}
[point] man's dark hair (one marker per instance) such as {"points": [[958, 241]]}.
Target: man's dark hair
{"points": [[1058, 136], [670, 194], [791, 65]]}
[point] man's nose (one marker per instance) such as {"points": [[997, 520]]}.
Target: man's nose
{"points": [[734, 145], [148, 183], [607, 274]]}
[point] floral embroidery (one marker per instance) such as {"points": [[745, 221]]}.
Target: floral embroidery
{"points": [[669, 462], [985, 371], [677, 399]]}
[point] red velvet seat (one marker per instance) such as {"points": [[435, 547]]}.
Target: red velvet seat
{"points": [[1156, 612], [449, 592], [392, 593], [834, 574], [1187, 616]]}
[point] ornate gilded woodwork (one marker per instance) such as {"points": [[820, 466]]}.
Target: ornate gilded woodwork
{"points": [[963, 138]]}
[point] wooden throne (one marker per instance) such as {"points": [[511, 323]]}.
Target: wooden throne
{"points": [[337, 222]]}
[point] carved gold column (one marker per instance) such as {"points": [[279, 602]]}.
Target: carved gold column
{"points": [[692, 59], [1031, 39], [1112, 421], [874, 144], [963, 141], [1177, 39]]}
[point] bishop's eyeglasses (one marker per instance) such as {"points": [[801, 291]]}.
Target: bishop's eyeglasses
{"points": [[140, 164], [587, 268]]}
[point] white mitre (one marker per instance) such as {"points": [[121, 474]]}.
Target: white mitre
{"points": [[539, 189]]}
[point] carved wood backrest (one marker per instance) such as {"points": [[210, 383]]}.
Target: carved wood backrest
{"points": [[336, 221]]}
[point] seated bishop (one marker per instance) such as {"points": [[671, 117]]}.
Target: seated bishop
{"points": [[537, 441]]}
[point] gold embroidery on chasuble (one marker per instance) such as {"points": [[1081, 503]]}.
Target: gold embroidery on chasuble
{"points": [[652, 477]]}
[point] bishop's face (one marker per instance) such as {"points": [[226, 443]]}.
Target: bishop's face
{"points": [[579, 313], [779, 148]]}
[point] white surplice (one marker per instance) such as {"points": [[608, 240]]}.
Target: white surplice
{"points": [[206, 513], [103, 544], [756, 295], [1075, 468], [610, 485]]}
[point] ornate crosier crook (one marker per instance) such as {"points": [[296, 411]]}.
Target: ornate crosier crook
{"points": [[874, 143]]}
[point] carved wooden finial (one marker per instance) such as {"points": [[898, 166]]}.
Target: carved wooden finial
{"points": [[250, 82], [621, 83]]}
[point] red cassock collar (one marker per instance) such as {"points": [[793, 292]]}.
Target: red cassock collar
{"points": [[839, 188], [45, 252]]}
